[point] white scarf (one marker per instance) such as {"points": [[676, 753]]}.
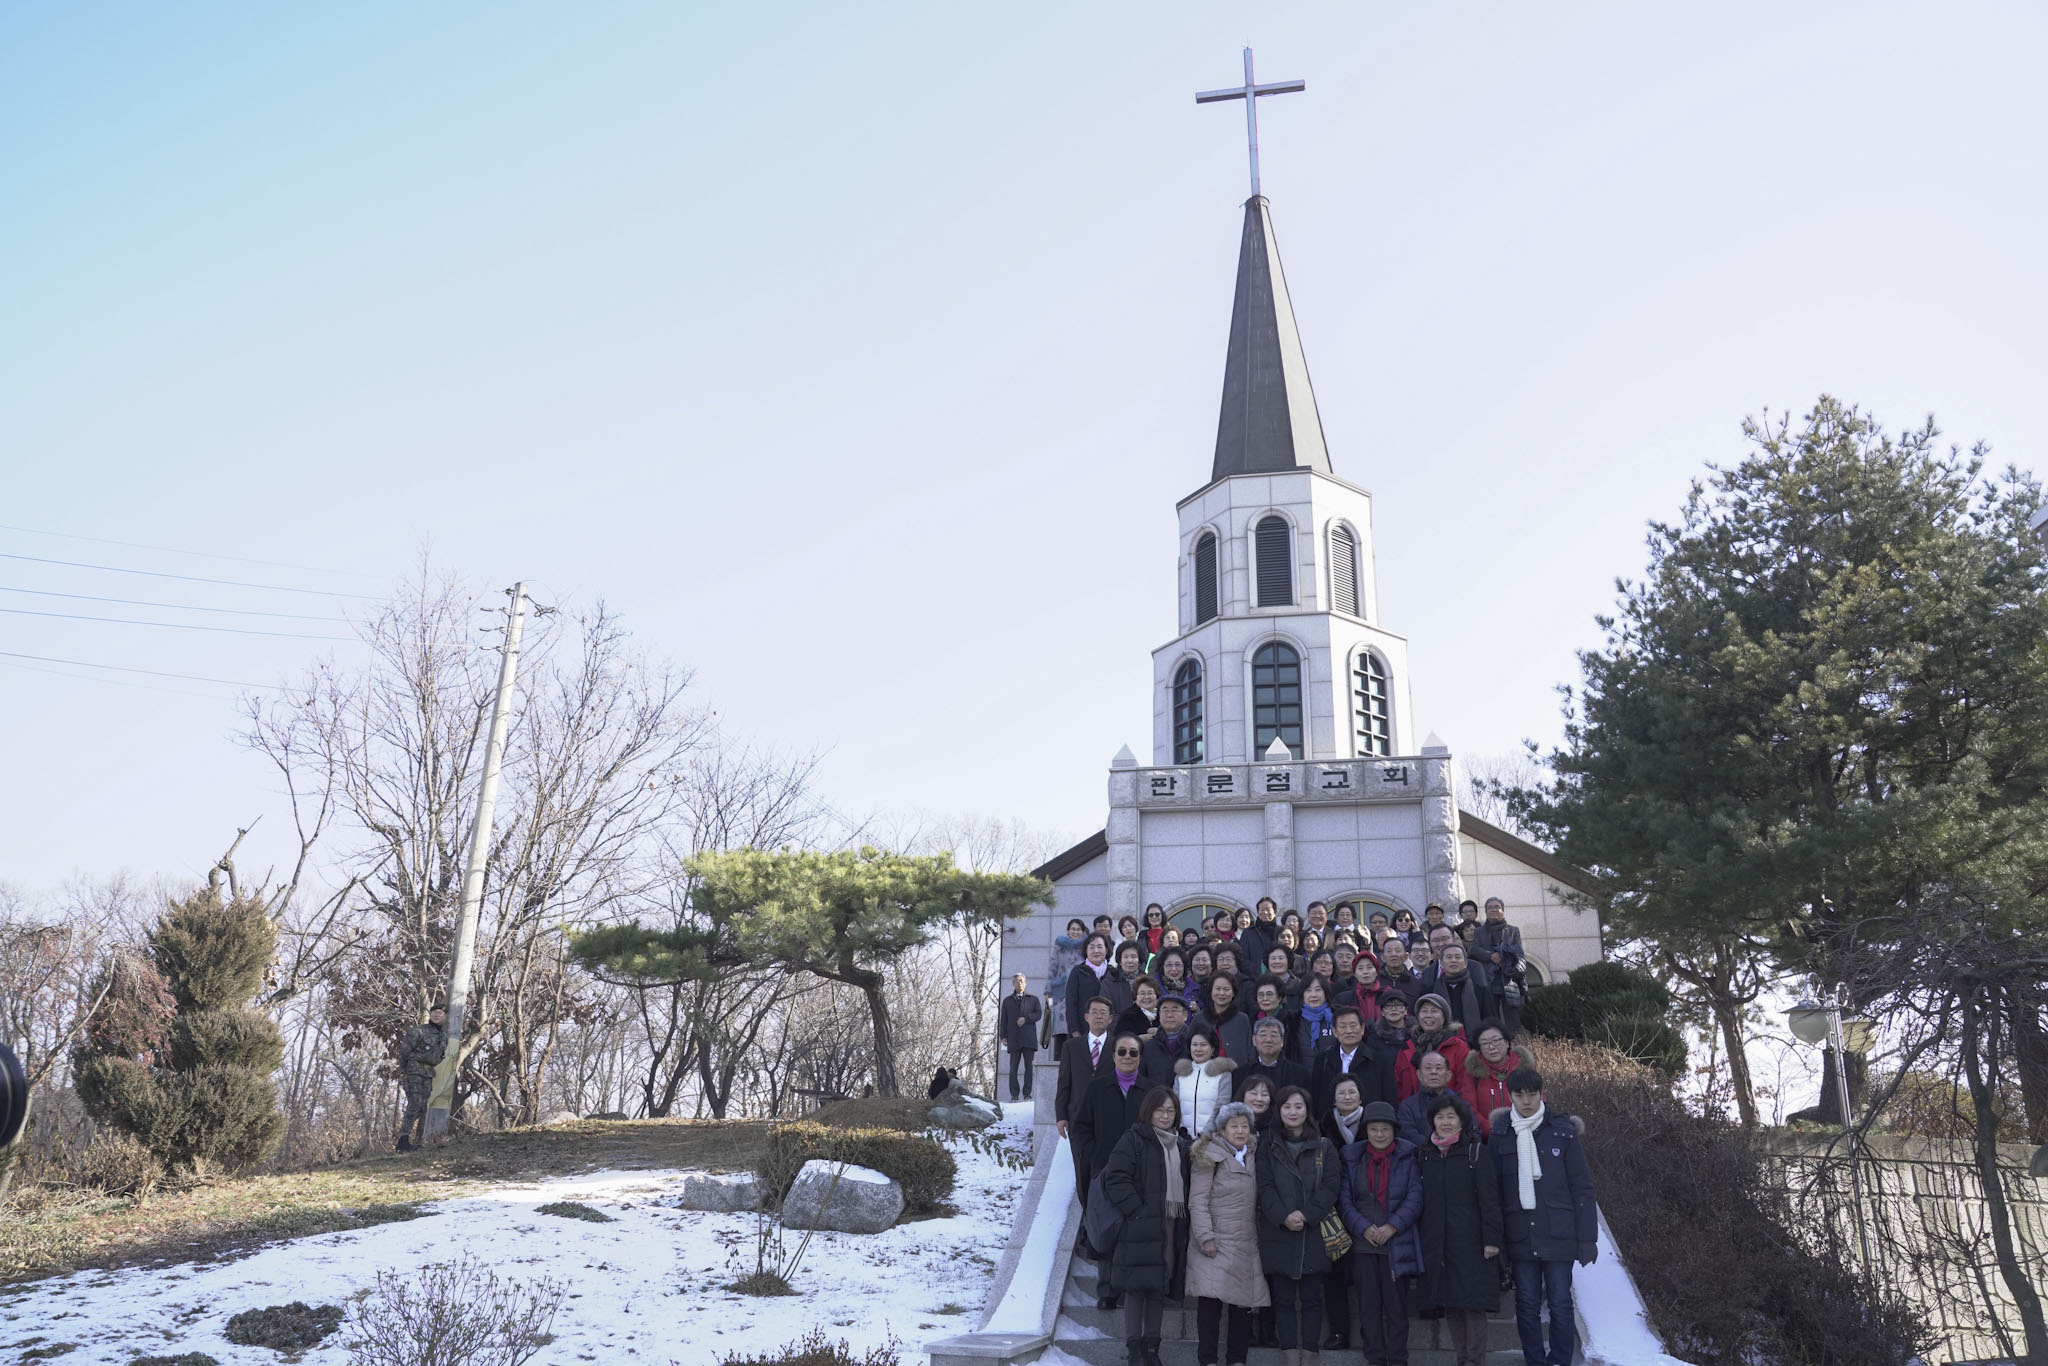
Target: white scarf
{"points": [[1526, 1162]]}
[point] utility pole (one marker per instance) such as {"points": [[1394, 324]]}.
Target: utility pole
{"points": [[443, 1097]]}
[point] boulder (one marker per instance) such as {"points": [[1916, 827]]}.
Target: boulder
{"points": [[862, 1200], [561, 1117], [960, 1108], [722, 1193]]}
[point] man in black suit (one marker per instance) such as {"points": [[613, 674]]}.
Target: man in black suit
{"points": [[1350, 1056], [1086, 1055], [1108, 1107], [1269, 1040]]}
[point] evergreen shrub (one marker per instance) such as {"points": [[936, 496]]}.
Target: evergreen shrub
{"points": [[1613, 1005], [923, 1168], [180, 1061]]}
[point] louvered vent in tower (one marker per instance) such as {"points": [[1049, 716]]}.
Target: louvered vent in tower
{"points": [[1275, 562], [1205, 577], [1343, 571]]}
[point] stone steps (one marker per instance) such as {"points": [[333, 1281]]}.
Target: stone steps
{"points": [[1429, 1340], [1181, 1352]]}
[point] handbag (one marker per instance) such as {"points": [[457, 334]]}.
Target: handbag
{"points": [[1336, 1237], [1102, 1221], [1045, 1024]]}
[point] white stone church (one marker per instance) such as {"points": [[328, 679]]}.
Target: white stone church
{"points": [[1284, 756]]}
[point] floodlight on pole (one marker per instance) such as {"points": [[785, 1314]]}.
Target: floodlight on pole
{"points": [[1820, 1022]]}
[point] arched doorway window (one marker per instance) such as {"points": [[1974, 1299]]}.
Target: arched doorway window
{"points": [[1276, 698], [1191, 917]]}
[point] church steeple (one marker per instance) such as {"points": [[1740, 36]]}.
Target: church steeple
{"points": [[1269, 420]]}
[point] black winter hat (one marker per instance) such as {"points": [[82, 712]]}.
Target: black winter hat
{"points": [[1379, 1112]]}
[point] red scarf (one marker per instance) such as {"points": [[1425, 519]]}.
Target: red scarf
{"points": [[1379, 1167]]}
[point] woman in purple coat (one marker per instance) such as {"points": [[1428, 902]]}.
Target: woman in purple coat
{"points": [[1380, 1199]]}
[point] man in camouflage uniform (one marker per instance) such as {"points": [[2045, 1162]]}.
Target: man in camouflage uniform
{"points": [[419, 1053]]}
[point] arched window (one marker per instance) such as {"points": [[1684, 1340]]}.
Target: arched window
{"points": [[1187, 713], [1344, 570], [1275, 556], [1371, 716], [1205, 577], [1276, 698]]}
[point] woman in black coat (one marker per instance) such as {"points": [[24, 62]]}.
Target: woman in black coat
{"points": [[1298, 1178], [1146, 1178], [1461, 1228]]}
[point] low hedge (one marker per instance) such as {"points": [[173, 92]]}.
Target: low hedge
{"points": [[1711, 1245], [923, 1168]]}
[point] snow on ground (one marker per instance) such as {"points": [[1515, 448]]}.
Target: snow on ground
{"points": [[649, 1287]]}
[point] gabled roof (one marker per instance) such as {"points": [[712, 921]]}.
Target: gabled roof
{"points": [[1082, 854], [1269, 420], [1515, 847]]}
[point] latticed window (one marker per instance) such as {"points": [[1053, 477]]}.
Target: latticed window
{"points": [[1275, 556], [1276, 698], [1370, 711], [1344, 570], [1187, 713], [1205, 577]]}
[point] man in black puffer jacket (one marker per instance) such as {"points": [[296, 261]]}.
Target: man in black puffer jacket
{"points": [[1546, 1196]]}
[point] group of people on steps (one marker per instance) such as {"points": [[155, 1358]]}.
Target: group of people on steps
{"points": [[1285, 1119]]}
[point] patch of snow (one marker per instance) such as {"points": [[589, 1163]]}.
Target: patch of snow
{"points": [[649, 1287], [1022, 1308], [1614, 1328], [1067, 1330]]}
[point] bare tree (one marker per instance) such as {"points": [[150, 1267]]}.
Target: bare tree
{"points": [[385, 763], [1486, 780]]}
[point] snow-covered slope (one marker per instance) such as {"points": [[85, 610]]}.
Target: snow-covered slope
{"points": [[648, 1287]]}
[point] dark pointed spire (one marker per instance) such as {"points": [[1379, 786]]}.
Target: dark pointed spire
{"points": [[1269, 420]]}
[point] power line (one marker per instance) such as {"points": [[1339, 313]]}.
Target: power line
{"points": [[110, 682], [128, 669], [188, 578], [174, 606], [175, 550], [170, 625]]}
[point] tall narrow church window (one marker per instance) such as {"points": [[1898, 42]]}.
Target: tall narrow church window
{"points": [[1371, 714], [1275, 562], [1187, 713], [1205, 577], [1344, 571], [1276, 698]]}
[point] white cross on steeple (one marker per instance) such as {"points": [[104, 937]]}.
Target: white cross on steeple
{"points": [[1249, 93]]}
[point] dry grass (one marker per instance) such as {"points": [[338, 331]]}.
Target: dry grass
{"points": [[46, 1231]]}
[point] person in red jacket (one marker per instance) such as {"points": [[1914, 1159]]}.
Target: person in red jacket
{"points": [[1489, 1065], [1433, 1033]]}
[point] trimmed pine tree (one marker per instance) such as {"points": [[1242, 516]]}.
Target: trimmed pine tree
{"points": [[192, 1082]]}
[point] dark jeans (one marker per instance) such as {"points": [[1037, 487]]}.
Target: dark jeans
{"points": [[1208, 1318], [1298, 1311], [1020, 1058], [1535, 1283], [1382, 1310]]}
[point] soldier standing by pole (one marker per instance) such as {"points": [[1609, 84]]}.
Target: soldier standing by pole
{"points": [[418, 1054]]}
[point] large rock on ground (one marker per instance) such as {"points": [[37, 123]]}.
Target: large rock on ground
{"points": [[724, 1194], [960, 1108], [862, 1201]]}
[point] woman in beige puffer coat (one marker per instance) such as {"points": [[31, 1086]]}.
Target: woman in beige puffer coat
{"points": [[1223, 1235]]}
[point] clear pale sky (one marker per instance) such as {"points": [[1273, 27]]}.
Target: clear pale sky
{"points": [[858, 354]]}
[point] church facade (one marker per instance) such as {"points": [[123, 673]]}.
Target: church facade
{"points": [[1284, 759]]}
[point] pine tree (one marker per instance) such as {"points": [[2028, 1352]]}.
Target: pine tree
{"points": [[189, 1072]]}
